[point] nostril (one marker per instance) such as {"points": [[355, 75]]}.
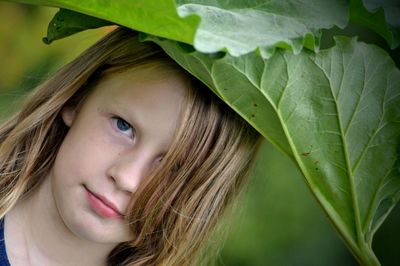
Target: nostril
{"points": [[112, 179], [129, 193]]}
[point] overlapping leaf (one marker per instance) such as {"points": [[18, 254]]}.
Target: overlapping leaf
{"points": [[66, 23], [236, 26], [336, 113], [383, 17], [157, 17], [242, 26]]}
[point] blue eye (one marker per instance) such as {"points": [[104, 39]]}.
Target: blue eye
{"points": [[123, 126]]}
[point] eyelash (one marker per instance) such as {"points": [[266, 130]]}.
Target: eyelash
{"points": [[116, 120]]}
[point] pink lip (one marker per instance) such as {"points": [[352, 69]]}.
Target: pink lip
{"points": [[102, 206]]}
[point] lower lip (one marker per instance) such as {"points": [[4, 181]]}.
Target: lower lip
{"points": [[100, 207]]}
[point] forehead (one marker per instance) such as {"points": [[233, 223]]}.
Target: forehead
{"points": [[147, 82]]}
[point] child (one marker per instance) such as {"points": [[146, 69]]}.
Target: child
{"points": [[121, 158]]}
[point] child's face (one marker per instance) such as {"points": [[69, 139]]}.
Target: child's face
{"points": [[115, 140]]}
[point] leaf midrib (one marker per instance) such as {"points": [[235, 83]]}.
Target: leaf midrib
{"points": [[356, 210]]}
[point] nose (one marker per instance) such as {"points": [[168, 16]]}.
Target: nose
{"points": [[128, 170]]}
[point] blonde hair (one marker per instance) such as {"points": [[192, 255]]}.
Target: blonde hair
{"points": [[172, 212]]}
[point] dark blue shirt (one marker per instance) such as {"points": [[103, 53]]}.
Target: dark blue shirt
{"points": [[3, 253]]}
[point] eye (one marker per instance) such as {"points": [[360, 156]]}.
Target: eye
{"points": [[159, 159], [123, 126]]}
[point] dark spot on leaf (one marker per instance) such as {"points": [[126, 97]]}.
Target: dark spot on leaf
{"points": [[316, 168], [316, 162], [305, 153], [46, 40], [255, 105], [253, 115]]}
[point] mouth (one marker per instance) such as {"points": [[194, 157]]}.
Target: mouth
{"points": [[102, 206]]}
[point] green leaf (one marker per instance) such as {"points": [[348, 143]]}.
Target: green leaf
{"points": [[240, 27], [157, 17], [236, 26], [66, 23], [336, 113], [383, 17]]}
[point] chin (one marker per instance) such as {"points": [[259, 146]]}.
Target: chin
{"points": [[97, 230], [84, 223]]}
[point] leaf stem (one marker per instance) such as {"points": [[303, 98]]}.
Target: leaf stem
{"points": [[368, 258]]}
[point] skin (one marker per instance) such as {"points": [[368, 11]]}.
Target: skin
{"points": [[116, 138]]}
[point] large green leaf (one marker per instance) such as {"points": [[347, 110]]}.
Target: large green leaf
{"points": [[236, 26], [336, 113]]}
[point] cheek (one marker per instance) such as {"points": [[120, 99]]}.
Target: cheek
{"points": [[80, 147], [73, 159], [85, 156]]}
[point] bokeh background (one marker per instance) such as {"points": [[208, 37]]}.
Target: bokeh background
{"points": [[276, 222]]}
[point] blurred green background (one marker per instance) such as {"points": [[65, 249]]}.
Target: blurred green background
{"points": [[276, 222]]}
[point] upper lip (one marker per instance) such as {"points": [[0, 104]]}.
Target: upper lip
{"points": [[105, 201]]}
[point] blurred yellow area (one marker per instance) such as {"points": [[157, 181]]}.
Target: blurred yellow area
{"points": [[26, 60], [22, 51]]}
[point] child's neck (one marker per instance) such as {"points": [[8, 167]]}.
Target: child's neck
{"points": [[36, 235]]}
